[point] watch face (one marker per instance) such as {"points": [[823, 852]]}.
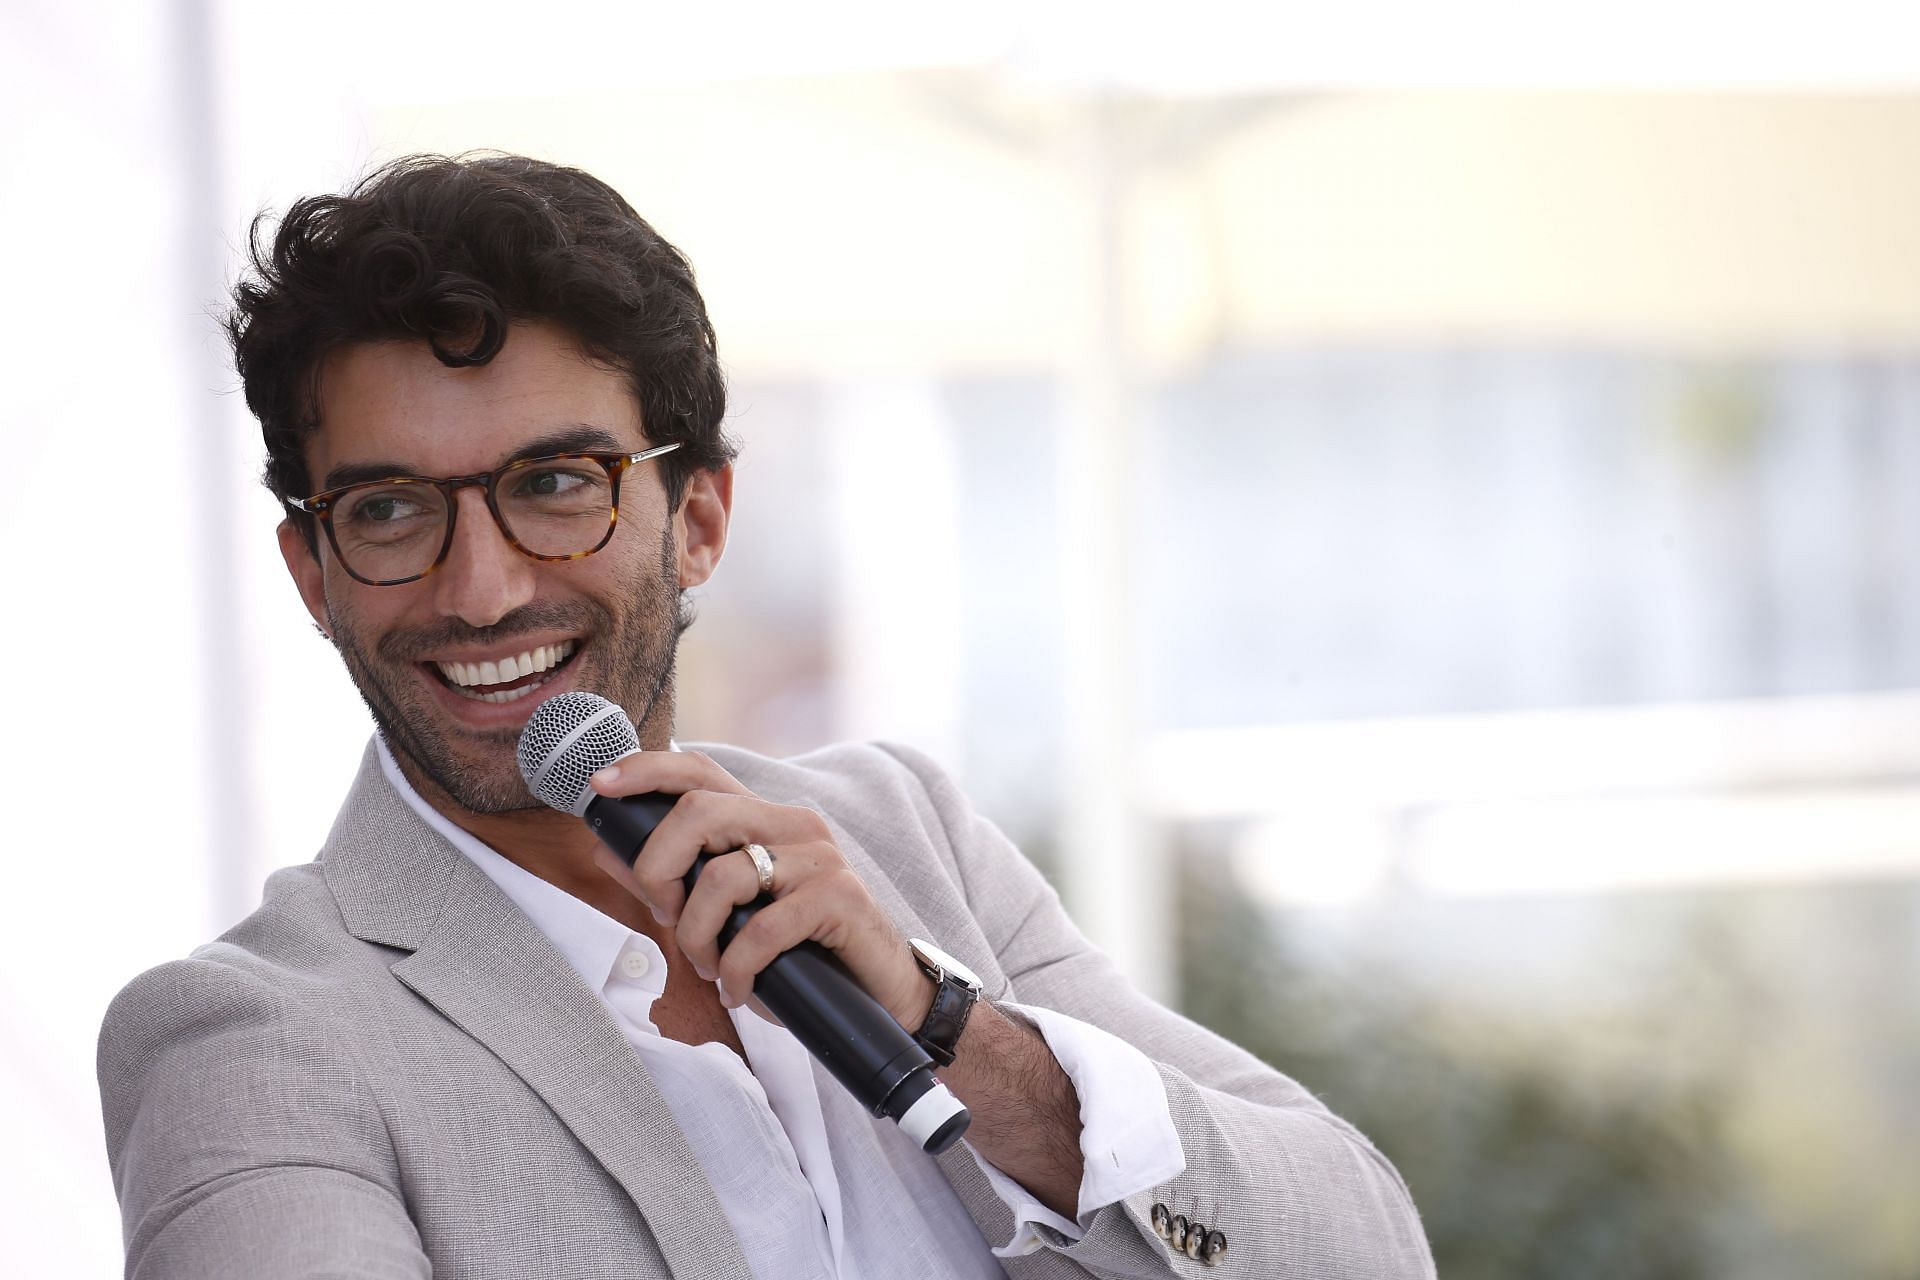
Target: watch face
{"points": [[941, 960]]}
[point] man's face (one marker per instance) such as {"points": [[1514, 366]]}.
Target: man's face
{"points": [[420, 652]]}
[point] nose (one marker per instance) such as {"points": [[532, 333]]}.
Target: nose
{"points": [[483, 578]]}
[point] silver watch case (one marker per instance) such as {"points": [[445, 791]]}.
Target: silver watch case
{"points": [[939, 966]]}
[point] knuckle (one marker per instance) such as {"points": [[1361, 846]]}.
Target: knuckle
{"points": [[809, 821], [761, 938], [731, 878]]}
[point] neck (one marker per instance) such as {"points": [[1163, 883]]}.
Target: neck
{"points": [[555, 846]]}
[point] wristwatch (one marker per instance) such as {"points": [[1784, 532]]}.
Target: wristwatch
{"points": [[955, 990]]}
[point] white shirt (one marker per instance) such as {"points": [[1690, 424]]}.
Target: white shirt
{"points": [[812, 1185]]}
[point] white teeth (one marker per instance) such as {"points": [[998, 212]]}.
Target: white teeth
{"points": [[467, 674], [507, 695]]}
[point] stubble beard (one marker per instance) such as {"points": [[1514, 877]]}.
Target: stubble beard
{"points": [[628, 658]]}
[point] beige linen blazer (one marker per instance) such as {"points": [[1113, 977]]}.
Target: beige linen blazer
{"points": [[387, 1071]]}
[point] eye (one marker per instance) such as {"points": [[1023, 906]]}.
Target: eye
{"points": [[386, 513], [558, 488], [550, 482], [383, 507]]}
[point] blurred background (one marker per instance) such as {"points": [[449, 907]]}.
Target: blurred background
{"points": [[1411, 517]]}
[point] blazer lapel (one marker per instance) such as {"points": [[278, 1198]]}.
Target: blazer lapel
{"points": [[480, 962]]}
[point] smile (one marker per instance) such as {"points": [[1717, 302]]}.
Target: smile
{"points": [[505, 679]]}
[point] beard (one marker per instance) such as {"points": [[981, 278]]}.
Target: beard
{"points": [[626, 656]]}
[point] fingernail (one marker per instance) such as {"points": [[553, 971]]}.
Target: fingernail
{"points": [[605, 775], [725, 998], [706, 974]]}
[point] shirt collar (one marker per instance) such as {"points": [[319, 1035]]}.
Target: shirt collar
{"points": [[588, 939]]}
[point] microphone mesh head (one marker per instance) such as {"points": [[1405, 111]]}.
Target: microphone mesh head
{"points": [[568, 739]]}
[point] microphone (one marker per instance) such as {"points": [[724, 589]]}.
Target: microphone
{"points": [[574, 735]]}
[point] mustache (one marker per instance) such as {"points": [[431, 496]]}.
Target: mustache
{"points": [[412, 643]]}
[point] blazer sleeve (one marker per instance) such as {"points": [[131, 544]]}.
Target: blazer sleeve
{"points": [[242, 1137], [1295, 1190]]}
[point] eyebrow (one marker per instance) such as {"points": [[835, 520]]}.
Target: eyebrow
{"points": [[575, 438]]}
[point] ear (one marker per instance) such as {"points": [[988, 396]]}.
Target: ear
{"points": [[700, 525], [303, 563]]}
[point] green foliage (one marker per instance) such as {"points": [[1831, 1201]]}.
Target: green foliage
{"points": [[1518, 1170]]}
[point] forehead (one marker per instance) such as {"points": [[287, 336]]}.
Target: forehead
{"points": [[394, 402]]}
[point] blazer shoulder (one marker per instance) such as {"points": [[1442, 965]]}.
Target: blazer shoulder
{"points": [[898, 804], [873, 788], [182, 1025], [269, 964], [280, 966], [859, 770]]}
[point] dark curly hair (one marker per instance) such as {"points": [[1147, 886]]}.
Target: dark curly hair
{"points": [[453, 249]]}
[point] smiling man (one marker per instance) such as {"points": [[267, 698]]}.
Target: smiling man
{"points": [[467, 1042]]}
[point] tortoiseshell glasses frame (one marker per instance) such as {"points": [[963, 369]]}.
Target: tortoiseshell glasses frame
{"points": [[323, 506]]}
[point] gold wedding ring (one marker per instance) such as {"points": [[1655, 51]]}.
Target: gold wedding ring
{"points": [[762, 865]]}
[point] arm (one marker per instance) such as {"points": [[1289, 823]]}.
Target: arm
{"points": [[1296, 1190], [1025, 1108], [1026, 1119], [242, 1138]]}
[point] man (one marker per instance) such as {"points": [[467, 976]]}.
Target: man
{"points": [[467, 1041]]}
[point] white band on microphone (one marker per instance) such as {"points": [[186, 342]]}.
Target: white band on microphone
{"points": [[930, 1111]]}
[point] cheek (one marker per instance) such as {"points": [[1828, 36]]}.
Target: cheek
{"points": [[354, 614], [619, 575]]}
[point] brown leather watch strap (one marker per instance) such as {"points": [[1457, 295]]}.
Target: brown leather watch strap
{"points": [[939, 1035]]}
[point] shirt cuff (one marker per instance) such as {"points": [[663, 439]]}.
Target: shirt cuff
{"points": [[1128, 1142]]}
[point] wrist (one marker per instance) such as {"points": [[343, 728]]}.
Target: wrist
{"points": [[910, 1009]]}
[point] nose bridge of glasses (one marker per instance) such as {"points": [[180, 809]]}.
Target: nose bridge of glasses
{"points": [[482, 514], [483, 574]]}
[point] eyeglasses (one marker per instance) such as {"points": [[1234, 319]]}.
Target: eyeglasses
{"points": [[399, 529]]}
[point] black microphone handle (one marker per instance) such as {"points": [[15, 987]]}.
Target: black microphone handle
{"points": [[806, 987]]}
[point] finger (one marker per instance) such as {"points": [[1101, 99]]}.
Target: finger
{"points": [[830, 907], [673, 772], [714, 822], [775, 928], [611, 863], [727, 882]]}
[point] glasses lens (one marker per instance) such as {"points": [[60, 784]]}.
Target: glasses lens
{"points": [[390, 530], [556, 506]]}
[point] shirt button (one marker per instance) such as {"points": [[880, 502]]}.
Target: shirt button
{"points": [[634, 964]]}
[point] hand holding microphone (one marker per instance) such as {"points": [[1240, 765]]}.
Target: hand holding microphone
{"points": [[817, 952]]}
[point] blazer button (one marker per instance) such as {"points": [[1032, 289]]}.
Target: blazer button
{"points": [[1196, 1240], [1214, 1251], [1162, 1221], [1178, 1237]]}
